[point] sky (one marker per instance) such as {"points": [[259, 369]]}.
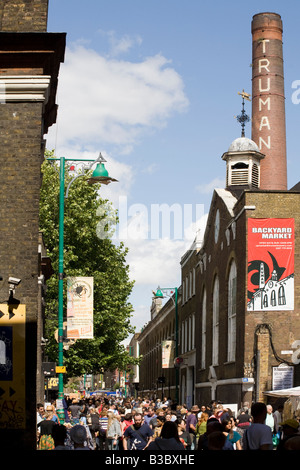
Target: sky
{"points": [[153, 85]]}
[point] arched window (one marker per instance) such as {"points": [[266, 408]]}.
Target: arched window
{"points": [[265, 301], [203, 333], [281, 296], [215, 332], [273, 298], [231, 347]]}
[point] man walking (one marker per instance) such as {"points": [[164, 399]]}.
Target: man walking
{"points": [[137, 435], [258, 436], [191, 423]]}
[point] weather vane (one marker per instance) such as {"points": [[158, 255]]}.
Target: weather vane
{"points": [[243, 117]]}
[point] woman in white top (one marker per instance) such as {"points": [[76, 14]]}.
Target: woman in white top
{"points": [[113, 432]]}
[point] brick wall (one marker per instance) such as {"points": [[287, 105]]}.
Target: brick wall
{"points": [[20, 141], [23, 15], [20, 177], [285, 325], [268, 101]]}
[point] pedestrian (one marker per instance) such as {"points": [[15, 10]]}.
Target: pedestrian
{"points": [[79, 438], [258, 436], [201, 424], [84, 411], [184, 436], [92, 420], [293, 443], [290, 428], [243, 421], [159, 413], [269, 418], [159, 424], [127, 421], [45, 427], [40, 413], [233, 436], [222, 413], [168, 439], [216, 441], [191, 423], [75, 410], [137, 435], [213, 443], [202, 410], [103, 420], [245, 408], [277, 415], [113, 432], [59, 434], [150, 414]]}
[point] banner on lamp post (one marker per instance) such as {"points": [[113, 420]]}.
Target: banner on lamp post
{"points": [[80, 304], [167, 354]]}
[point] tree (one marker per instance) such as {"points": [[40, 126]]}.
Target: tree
{"points": [[85, 254]]}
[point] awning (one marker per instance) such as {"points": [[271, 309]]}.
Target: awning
{"points": [[287, 392]]}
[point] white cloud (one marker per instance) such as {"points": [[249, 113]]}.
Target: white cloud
{"points": [[108, 105], [154, 261], [107, 101], [122, 45], [209, 187], [158, 261]]}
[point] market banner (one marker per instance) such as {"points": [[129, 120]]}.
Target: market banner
{"points": [[271, 248], [80, 304], [167, 354]]}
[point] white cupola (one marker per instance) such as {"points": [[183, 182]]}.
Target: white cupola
{"points": [[242, 164]]}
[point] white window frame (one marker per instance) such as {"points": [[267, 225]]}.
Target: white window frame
{"points": [[193, 331], [232, 289], [215, 332], [203, 332]]}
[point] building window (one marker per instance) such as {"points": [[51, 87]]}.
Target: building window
{"points": [[215, 351], [193, 331], [186, 288], [273, 298], [203, 333], [183, 292], [194, 281], [265, 301], [255, 176], [231, 313], [281, 296], [182, 337]]}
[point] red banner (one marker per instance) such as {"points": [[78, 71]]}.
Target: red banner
{"points": [[271, 246]]}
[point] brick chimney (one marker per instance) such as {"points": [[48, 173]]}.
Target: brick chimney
{"points": [[268, 101]]}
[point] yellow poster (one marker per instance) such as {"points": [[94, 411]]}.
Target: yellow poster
{"points": [[12, 366]]}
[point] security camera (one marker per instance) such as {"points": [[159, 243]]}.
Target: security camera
{"points": [[14, 281]]}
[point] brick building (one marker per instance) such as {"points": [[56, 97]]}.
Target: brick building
{"points": [[154, 377], [240, 304], [30, 58]]}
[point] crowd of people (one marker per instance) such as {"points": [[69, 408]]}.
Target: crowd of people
{"points": [[114, 423]]}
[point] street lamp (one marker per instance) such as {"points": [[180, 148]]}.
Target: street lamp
{"points": [[99, 175], [170, 292]]}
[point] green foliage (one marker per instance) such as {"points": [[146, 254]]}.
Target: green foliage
{"points": [[85, 254]]}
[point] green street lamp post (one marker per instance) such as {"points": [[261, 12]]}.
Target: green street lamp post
{"points": [[169, 292], [99, 175]]}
